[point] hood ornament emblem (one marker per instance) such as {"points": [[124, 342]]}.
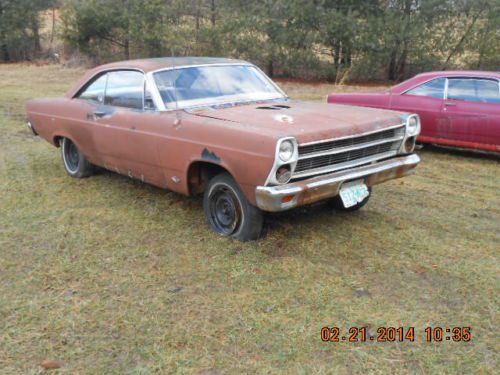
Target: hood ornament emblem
{"points": [[284, 118]]}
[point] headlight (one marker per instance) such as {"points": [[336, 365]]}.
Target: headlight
{"points": [[413, 125], [286, 150]]}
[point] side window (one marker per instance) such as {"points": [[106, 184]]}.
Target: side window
{"points": [[434, 88], [474, 90], [125, 89], [95, 91], [488, 90], [462, 89]]}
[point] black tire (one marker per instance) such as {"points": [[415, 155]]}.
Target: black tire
{"points": [[75, 163], [337, 203], [228, 211]]}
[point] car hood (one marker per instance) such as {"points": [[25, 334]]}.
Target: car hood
{"points": [[306, 121]]}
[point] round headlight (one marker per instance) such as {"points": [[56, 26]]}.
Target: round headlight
{"points": [[413, 127], [286, 150]]}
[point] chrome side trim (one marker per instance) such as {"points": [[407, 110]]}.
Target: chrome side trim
{"points": [[350, 148]]}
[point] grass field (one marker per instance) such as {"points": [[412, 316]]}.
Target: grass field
{"points": [[111, 276]]}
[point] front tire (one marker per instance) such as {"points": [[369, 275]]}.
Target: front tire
{"points": [[228, 211], [75, 163], [338, 205]]}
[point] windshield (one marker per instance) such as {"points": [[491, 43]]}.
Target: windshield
{"points": [[212, 85]]}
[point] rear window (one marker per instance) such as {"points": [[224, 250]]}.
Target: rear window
{"points": [[474, 90]]}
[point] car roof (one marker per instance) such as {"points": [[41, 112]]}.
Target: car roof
{"points": [[148, 65], [464, 73], [427, 76]]}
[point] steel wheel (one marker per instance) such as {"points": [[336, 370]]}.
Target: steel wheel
{"points": [[75, 163], [229, 212], [71, 156], [225, 210]]}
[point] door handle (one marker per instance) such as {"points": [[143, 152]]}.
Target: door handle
{"points": [[450, 104], [99, 114], [93, 115]]}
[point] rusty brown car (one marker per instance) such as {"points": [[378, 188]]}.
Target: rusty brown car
{"points": [[222, 128]]}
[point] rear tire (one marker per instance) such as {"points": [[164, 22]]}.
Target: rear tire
{"points": [[75, 163], [228, 211], [338, 205]]}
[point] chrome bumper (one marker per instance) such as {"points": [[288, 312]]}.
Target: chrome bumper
{"points": [[285, 197]]}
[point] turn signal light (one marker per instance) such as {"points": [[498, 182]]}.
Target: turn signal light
{"points": [[284, 174], [287, 199]]}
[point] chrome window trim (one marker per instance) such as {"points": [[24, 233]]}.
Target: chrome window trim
{"points": [[351, 148], [118, 69], [162, 106], [89, 83], [353, 136], [155, 93], [448, 77]]}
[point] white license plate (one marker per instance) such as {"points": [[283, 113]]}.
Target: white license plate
{"points": [[353, 193]]}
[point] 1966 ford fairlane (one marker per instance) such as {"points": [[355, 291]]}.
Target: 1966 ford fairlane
{"points": [[222, 128]]}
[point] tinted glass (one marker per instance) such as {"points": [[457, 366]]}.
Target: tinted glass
{"points": [[125, 89], [474, 90], [211, 85], [434, 88], [95, 91]]}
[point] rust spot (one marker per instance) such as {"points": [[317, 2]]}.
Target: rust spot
{"points": [[210, 156]]}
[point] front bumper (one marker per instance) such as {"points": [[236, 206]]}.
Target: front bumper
{"points": [[30, 127], [285, 197]]}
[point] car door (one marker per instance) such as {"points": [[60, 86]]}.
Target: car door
{"points": [[472, 108], [427, 101], [126, 134]]}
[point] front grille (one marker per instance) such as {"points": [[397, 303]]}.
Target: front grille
{"points": [[346, 142], [325, 157]]}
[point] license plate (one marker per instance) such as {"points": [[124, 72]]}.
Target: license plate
{"points": [[353, 193]]}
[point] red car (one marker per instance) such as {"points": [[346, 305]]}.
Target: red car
{"points": [[456, 108]]}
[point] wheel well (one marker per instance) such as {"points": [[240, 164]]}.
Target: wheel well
{"points": [[57, 140], [200, 173]]}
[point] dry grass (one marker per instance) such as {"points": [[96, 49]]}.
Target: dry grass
{"points": [[111, 276]]}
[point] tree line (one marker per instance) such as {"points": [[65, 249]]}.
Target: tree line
{"points": [[312, 39]]}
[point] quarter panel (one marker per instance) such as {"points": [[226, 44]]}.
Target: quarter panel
{"points": [[56, 117]]}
